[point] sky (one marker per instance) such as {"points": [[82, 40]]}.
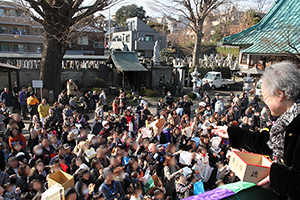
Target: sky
{"points": [[148, 6]]}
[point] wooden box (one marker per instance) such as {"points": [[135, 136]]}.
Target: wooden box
{"points": [[249, 167], [62, 179]]}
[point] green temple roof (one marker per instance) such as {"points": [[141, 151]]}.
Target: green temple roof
{"points": [[277, 33], [126, 61]]}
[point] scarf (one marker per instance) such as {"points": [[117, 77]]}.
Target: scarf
{"points": [[278, 131]]}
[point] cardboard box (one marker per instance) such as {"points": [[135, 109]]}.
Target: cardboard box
{"points": [[90, 154], [54, 193], [62, 179], [160, 123], [249, 167]]}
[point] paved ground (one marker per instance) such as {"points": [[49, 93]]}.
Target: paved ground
{"points": [[237, 88]]}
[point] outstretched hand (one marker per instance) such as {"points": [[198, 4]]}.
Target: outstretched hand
{"points": [[221, 131], [265, 183]]}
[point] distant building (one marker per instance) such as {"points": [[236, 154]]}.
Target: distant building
{"points": [[136, 36], [87, 40], [274, 38], [173, 24], [231, 15], [18, 33]]}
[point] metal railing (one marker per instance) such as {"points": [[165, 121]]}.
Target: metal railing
{"points": [[19, 33]]}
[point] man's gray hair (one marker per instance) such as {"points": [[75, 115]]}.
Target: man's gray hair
{"points": [[283, 76]]}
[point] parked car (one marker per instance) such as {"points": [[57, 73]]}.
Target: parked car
{"points": [[216, 80]]}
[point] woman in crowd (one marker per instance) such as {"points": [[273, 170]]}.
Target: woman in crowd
{"points": [[170, 172], [121, 159], [280, 90]]}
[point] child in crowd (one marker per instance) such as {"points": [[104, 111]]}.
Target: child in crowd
{"points": [[181, 187], [135, 191], [11, 192]]}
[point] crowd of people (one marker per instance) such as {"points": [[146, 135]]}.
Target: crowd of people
{"points": [[124, 148]]}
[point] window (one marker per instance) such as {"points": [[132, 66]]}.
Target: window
{"points": [[2, 29], [2, 11], [127, 38], [38, 49], [98, 44], [14, 30], [149, 38], [83, 40], [244, 59], [21, 48], [18, 48], [3, 47], [133, 26], [18, 13], [15, 47]]}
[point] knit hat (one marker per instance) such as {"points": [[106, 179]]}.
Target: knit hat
{"points": [[90, 137], [104, 123], [106, 172], [66, 146], [202, 103]]}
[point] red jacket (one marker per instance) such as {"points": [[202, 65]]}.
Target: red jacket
{"points": [[19, 138]]}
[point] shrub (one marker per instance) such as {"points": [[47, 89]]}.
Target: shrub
{"points": [[129, 96], [203, 70], [99, 83], [98, 90], [149, 93], [233, 50], [191, 96], [166, 55]]}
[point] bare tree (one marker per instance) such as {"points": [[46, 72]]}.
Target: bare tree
{"points": [[228, 16], [194, 12], [58, 18], [262, 5]]}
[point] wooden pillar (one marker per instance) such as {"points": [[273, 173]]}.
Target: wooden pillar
{"points": [[9, 80], [18, 78], [137, 81]]}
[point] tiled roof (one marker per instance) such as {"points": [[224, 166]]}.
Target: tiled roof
{"points": [[126, 61], [275, 33]]}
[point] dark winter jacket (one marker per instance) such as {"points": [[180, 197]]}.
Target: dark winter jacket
{"points": [[111, 191], [4, 178], [7, 98], [284, 178], [22, 183]]}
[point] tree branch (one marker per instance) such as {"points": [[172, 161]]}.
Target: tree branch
{"points": [[35, 5]]}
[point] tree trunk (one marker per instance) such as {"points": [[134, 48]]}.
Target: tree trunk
{"points": [[51, 63], [197, 47]]}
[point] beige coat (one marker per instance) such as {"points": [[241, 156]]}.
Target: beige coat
{"points": [[71, 89]]}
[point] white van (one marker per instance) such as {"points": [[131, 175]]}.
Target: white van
{"points": [[258, 88]]}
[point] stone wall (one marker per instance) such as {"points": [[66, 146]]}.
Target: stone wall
{"points": [[82, 77], [159, 71]]}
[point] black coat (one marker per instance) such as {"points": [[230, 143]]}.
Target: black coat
{"points": [[22, 183], [2, 161], [284, 178], [187, 107]]}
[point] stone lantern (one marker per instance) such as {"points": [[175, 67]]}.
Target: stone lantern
{"points": [[247, 83], [195, 74]]}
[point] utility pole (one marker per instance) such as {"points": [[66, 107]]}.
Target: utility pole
{"points": [[109, 28]]}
